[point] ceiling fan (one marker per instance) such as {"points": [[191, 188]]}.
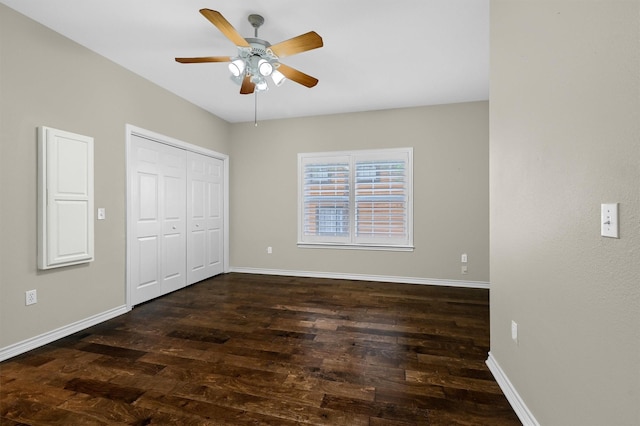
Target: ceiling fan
{"points": [[257, 59]]}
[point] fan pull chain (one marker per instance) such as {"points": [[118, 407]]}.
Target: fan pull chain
{"points": [[255, 111]]}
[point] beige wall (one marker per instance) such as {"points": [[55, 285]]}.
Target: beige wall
{"points": [[45, 79], [565, 137], [450, 190]]}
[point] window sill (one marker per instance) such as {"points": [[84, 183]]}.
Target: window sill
{"points": [[355, 247]]}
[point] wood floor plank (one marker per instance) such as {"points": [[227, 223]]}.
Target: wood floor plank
{"points": [[242, 349], [377, 409], [108, 411]]}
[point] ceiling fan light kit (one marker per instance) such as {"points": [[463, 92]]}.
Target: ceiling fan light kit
{"points": [[257, 59], [255, 62]]}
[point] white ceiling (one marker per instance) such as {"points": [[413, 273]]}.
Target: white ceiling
{"points": [[377, 54]]}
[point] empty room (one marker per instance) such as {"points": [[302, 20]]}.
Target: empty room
{"points": [[423, 212]]}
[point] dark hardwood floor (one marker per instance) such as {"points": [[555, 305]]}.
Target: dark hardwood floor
{"points": [[244, 349]]}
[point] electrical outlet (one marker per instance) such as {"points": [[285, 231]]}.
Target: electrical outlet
{"points": [[463, 258], [514, 331], [31, 297], [269, 250], [463, 270]]}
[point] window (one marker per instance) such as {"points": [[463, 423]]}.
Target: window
{"points": [[358, 199]]}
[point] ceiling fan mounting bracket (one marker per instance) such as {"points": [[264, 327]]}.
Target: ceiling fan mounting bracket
{"points": [[256, 20]]}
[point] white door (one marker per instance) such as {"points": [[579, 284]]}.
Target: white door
{"points": [[205, 202], [65, 198], [157, 240], [174, 237]]}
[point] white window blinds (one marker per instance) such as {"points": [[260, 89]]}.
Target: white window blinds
{"points": [[360, 198], [325, 199], [381, 199]]}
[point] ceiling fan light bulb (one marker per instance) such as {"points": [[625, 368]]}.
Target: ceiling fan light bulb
{"points": [[237, 67], [278, 78], [264, 67], [261, 85]]}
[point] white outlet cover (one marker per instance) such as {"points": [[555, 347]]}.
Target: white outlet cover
{"points": [[514, 331], [31, 297]]}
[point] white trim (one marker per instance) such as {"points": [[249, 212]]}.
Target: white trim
{"points": [[167, 140], [362, 277], [64, 331], [131, 130], [227, 217], [354, 247], [518, 405]]}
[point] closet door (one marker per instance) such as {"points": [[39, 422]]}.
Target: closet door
{"points": [[158, 239], [205, 202], [174, 238]]}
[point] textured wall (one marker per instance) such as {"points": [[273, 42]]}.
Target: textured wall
{"points": [[45, 79], [450, 190], [565, 137]]}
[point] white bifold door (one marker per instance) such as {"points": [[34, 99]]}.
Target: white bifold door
{"points": [[175, 211], [204, 217]]}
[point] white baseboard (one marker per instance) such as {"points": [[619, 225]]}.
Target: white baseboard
{"points": [[53, 335], [362, 277], [518, 405]]}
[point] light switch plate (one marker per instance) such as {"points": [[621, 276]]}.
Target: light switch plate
{"points": [[609, 220], [102, 213]]}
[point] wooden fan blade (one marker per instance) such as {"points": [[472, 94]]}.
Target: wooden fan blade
{"points": [[297, 76], [204, 59], [224, 26], [247, 86], [302, 43]]}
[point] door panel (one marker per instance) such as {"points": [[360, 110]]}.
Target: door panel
{"points": [[65, 198], [198, 250], [147, 264], [174, 219], [148, 197], [215, 242], [158, 263], [205, 226]]}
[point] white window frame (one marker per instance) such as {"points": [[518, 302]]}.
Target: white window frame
{"points": [[351, 241]]}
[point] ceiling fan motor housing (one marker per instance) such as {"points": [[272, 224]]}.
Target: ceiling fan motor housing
{"points": [[260, 47]]}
